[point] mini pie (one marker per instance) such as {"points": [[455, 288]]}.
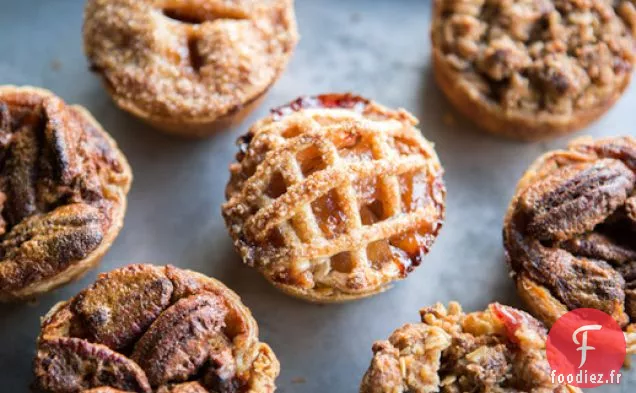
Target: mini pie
{"points": [[533, 69], [500, 349], [189, 67], [145, 329], [570, 232], [334, 197], [63, 185]]}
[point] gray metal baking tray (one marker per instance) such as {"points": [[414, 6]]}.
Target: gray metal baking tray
{"points": [[378, 48]]}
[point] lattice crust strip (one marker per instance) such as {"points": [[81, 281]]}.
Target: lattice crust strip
{"points": [[276, 208]]}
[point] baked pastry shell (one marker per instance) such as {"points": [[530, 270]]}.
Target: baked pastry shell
{"points": [[410, 358], [76, 270], [211, 121], [323, 294], [327, 295], [538, 299], [514, 125], [265, 367], [184, 126]]}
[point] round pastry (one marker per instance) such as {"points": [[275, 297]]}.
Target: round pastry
{"points": [[533, 69], [570, 232], [334, 197], [189, 67], [144, 329], [500, 349], [63, 185]]}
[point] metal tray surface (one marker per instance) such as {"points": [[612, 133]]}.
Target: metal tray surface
{"points": [[377, 48]]}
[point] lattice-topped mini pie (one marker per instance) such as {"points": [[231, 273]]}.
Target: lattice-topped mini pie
{"points": [[334, 197], [189, 67]]}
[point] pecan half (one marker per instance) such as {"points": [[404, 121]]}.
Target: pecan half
{"points": [[569, 235], [121, 305], [43, 245], [67, 364], [178, 343], [498, 350], [574, 199], [63, 184], [599, 246], [144, 328]]}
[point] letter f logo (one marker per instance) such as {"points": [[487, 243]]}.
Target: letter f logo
{"points": [[583, 345]]}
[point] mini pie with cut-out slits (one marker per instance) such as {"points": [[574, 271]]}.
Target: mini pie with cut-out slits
{"points": [[334, 197], [533, 69], [190, 67]]}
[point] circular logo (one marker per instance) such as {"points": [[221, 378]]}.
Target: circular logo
{"points": [[586, 348]]}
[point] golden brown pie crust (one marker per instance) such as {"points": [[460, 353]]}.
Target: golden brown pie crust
{"points": [[144, 329], [499, 349], [334, 197], [189, 67], [63, 191], [569, 232], [106, 390], [533, 70]]}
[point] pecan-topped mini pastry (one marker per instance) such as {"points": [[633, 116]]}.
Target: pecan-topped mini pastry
{"points": [[500, 349], [144, 329], [334, 197], [63, 185], [570, 232], [533, 69], [189, 67]]}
